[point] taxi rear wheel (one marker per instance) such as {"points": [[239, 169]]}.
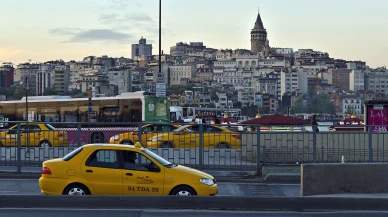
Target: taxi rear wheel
{"points": [[167, 145], [45, 144], [76, 190], [183, 191], [223, 145], [127, 142]]}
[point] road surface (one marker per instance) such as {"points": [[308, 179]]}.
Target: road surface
{"points": [[31, 187], [172, 213]]}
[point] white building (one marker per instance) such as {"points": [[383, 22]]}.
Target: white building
{"points": [[177, 72], [351, 105], [376, 80], [356, 80], [289, 82], [225, 71]]}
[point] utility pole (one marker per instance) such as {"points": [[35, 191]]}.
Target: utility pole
{"points": [[160, 36], [90, 94]]}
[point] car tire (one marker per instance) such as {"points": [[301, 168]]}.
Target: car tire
{"points": [[167, 145], [222, 145], [126, 142], [97, 138], [183, 191], [76, 190], [44, 144]]}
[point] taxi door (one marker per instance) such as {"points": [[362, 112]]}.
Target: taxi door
{"points": [[102, 171], [140, 178]]}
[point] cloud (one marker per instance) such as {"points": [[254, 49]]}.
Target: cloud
{"points": [[121, 4], [91, 35], [129, 19]]}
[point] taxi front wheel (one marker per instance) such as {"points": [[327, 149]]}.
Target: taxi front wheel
{"points": [[76, 190], [183, 191]]}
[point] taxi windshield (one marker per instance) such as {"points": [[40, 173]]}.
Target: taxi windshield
{"points": [[161, 160], [182, 128]]}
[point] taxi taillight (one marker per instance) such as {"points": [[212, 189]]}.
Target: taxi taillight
{"points": [[236, 136], [60, 135], [46, 171]]}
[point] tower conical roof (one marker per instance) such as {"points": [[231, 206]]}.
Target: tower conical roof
{"points": [[258, 23]]}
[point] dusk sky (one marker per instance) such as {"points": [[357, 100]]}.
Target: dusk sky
{"points": [[44, 30]]}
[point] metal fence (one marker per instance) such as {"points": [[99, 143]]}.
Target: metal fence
{"points": [[202, 146]]}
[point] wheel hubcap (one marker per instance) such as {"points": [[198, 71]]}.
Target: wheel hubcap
{"points": [[183, 193], [45, 145], [76, 191]]}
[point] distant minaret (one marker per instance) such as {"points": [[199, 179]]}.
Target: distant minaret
{"points": [[258, 36]]}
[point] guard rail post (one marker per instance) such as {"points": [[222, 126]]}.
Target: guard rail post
{"points": [[19, 150]]}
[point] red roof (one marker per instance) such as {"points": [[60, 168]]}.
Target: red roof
{"points": [[277, 119], [230, 120]]}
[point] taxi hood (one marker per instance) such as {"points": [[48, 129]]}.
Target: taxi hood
{"points": [[191, 171]]}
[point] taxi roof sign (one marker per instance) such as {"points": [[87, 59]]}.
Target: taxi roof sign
{"points": [[138, 145]]}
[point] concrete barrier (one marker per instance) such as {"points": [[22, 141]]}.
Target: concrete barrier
{"points": [[323, 179], [199, 203], [292, 147]]}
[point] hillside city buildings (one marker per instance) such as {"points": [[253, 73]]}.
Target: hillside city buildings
{"points": [[271, 78]]}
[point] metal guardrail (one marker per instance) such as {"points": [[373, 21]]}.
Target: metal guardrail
{"points": [[203, 149]]}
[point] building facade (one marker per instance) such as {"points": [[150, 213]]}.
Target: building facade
{"points": [[141, 49]]}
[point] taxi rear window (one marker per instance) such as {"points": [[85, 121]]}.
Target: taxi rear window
{"points": [[72, 154]]}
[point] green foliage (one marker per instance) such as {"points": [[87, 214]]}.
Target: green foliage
{"points": [[214, 94], [179, 89], [298, 107], [211, 105], [237, 105], [50, 91], [252, 110], [322, 104]]}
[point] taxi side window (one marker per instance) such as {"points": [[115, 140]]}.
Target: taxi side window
{"points": [[139, 162], [103, 159], [211, 129]]}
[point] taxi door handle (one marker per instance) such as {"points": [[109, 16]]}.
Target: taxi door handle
{"points": [[89, 171], [129, 174]]}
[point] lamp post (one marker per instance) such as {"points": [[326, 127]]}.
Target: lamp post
{"points": [[160, 36], [28, 135]]}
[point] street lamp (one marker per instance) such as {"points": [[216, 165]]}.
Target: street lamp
{"points": [[160, 36]]}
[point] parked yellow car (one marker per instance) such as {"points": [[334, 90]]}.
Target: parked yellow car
{"points": [[148, 131], [105, 169], [188, 137], [34, 134]]}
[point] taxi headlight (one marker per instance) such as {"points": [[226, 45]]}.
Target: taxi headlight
{"points": [[116, 137], [207, 181]]}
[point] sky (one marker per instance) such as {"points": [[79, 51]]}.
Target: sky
{"points": [[43, 30]]}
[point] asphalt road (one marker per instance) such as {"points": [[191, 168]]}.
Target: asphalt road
{"points": [[31, 187], [172, 213]]}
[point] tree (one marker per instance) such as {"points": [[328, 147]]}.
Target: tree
{"points": [[237, 105], [298, 107], [50, 91], [179, 89], [253, 110], [214, 94], [322, 104], [211, 105]]}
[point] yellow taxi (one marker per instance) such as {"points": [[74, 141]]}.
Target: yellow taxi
{"points": [[105, 169], [188, 137], [34, 134], [148, 131]]}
